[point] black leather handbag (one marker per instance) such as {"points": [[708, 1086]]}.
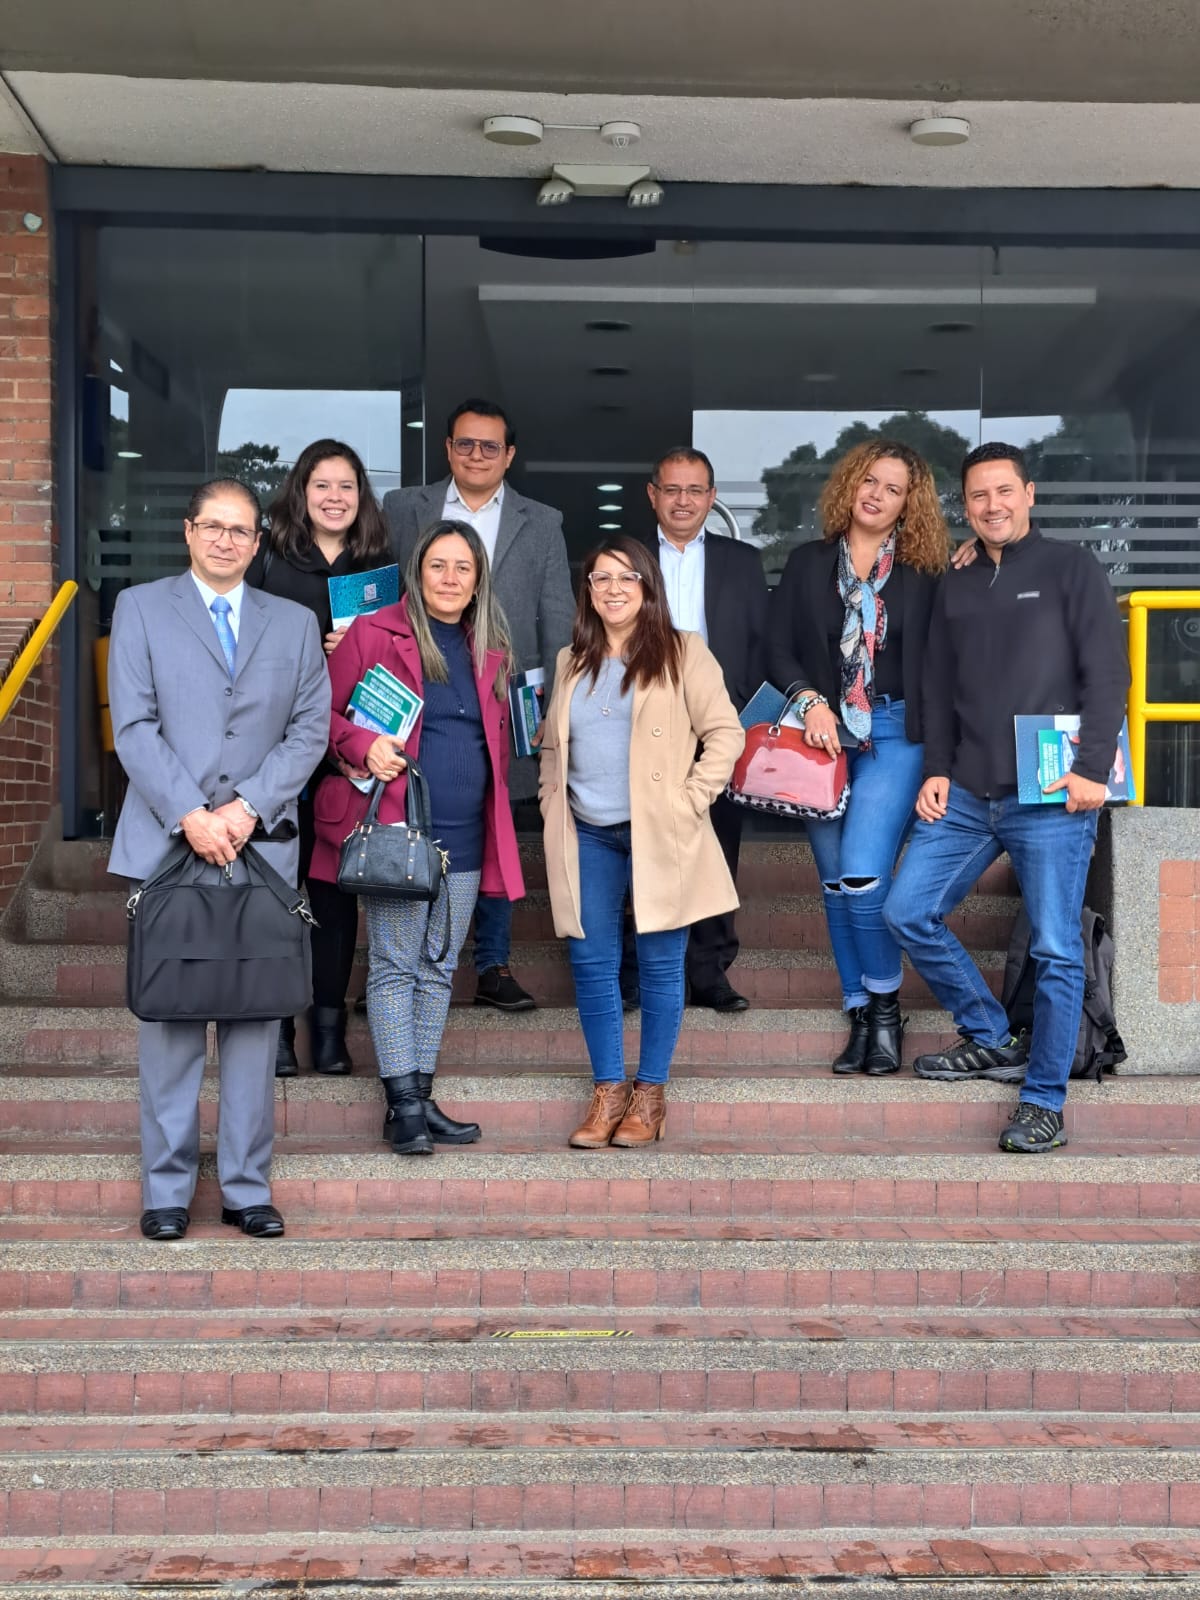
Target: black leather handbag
{"points": [[398, 860], [233, 950]]}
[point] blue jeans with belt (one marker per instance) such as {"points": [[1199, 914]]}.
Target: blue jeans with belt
{"points": [[1050, 849], [605, 878], [856, 855]]}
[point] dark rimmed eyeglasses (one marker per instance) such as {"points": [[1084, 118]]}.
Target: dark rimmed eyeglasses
{"points": [[488, 448]]}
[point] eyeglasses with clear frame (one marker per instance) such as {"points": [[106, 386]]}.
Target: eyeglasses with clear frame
{"points": [[672, 491], [604, 581], [489, 449], [211, 532]]}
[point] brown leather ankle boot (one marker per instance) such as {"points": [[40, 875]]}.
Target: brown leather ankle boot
{"points": [[603, 1115], [646, 1119]]}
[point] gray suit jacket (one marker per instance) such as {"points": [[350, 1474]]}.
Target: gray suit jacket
{"points": [[188, 737], [530, 574]]}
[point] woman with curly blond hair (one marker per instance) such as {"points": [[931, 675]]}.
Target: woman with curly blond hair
{"points": [[848, 626]]}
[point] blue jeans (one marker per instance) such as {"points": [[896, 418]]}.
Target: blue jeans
{"points": [[605, 878], [856, 856], [1050, 849], [493, 931]]}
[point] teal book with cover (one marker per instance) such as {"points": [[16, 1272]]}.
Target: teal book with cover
{"points": [[1046, 748]]}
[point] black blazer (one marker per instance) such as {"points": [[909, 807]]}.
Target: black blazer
{"points": [[735, 610], [798, 639]]}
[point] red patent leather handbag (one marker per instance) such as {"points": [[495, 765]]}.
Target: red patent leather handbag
{"points": [[778, 772]]}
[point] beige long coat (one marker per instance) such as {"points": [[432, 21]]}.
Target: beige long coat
{"points": [[679, 872]]}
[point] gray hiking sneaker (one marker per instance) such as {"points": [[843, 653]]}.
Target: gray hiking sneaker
{"points": [[1033, 1131], [970, 1059]]}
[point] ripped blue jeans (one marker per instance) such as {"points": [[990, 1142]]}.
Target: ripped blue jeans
{"points": [[856, 856]]}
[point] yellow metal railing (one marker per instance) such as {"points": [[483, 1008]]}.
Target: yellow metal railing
{"points": [[1138, 606], [38, 640]]}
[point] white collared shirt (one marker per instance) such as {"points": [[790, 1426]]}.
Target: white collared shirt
{"points": [[485, 521], [235, 602], [683, 575]]}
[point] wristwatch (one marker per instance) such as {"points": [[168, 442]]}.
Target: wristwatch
{"points": [[248, 808]]}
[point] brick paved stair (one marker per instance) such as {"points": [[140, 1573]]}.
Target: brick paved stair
{"points": [[855, 1341]]}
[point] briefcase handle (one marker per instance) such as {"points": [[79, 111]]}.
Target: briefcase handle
{"points": [[180, 856]]}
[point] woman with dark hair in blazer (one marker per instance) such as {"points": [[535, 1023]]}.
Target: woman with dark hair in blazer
{"points": [[325, 522], [848, 624], [626, 802]]}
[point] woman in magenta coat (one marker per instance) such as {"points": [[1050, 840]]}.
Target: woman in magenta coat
{"points": [[448, 641]]}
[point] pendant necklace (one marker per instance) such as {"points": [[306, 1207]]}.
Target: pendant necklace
{"points": [[606, 708]]}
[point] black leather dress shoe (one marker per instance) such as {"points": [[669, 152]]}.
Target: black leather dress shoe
{"points": [[166, 1222], [260, 1222], [721, 997]]}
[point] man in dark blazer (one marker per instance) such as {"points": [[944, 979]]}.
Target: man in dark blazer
{"points": [[715, 587], [532, 579], [220, 711]]}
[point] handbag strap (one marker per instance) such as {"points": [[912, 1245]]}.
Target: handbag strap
{"points": [[443, 897], [418, 809], [181, 855]]}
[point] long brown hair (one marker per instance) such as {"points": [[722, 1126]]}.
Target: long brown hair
{"points": [[367, 541], [922, 538], [655, 649]]}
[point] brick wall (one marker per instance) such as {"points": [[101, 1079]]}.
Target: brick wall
{"points": [[1178, 932], [28, 532]]}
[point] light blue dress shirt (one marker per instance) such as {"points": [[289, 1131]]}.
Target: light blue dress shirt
{"points": [[683, 575], [485, 521]]}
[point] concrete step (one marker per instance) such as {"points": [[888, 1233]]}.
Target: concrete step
{"points": [[498, 1563], [534, 1177], [846, 1272], [482, 1036], [94, 974], [802, 1100]]}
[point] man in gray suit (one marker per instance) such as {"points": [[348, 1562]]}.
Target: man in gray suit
{"points": [[532, 579], [220, 710]]}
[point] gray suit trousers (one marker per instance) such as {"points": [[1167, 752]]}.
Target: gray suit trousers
{"points": [[170, 1069]]}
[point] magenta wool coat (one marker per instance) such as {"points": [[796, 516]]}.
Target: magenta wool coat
{"points": [[386, 639]]}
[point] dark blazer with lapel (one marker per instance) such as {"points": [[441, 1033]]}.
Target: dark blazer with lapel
{"points": [[735, 610], [530, 574], [798, 636]]}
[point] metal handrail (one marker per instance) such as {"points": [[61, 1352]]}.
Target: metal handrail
{"points": [[1138, 606], [37, 642]]}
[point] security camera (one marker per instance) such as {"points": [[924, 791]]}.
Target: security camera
{"points": [[620, 134], [555, 192], [645, 193]]}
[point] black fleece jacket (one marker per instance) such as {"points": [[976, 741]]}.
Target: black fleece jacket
{"points": [[1037, 633]]}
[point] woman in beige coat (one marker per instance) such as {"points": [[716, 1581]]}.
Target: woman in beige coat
{"points": [[625, 798]]}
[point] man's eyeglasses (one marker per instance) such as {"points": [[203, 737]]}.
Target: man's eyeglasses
{"points": [[210, 532], [694, 491], [488, 448], [605, 580]]}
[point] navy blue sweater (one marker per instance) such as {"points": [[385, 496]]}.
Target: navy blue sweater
{"points": [[454, 754]]}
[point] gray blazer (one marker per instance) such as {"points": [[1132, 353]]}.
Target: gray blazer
{"points": [[188, 737], [530, 574]]}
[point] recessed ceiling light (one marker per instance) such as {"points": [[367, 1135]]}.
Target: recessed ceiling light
{"points": [[819, 377], [608, 325], [609, 506], [610, 527], [414, 424], [951, 327], [610, 372], [609, 488], [918, 372], [130, 455]]}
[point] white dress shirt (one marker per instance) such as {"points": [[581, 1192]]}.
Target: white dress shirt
{"points": [[683, 575], [235, 603], [485, 521]]}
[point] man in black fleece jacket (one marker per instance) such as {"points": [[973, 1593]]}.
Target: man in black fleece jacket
{"points": [[1031, 627]]}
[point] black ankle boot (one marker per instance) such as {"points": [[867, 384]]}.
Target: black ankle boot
{"points": [[443, 1129], [286, 1065], [885, 1034], [854, 1057], [329, 1053], [404, 1123]]}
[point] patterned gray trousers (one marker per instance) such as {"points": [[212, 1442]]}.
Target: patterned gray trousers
{"points": [[408, 993]]}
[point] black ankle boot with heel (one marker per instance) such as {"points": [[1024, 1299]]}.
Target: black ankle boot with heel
{"points": [[328, 1029], [854, 1057], [443, 1129], [885, 1034], [404, 1125], [286, 1065]]}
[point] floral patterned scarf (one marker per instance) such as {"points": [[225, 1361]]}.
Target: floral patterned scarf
{"points": [[863, 633]]}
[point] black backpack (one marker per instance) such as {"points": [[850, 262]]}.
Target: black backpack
{"points": [[1100, 1046]]}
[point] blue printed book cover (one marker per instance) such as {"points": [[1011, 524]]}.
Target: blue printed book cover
{"points": [[1046, 752], [357, 594]]}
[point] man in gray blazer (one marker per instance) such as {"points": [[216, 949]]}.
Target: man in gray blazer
{"points": [[220, 710], [532, 579]]}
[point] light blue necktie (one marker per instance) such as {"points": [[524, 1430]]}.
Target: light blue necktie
{"points": [[220, 609]]}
